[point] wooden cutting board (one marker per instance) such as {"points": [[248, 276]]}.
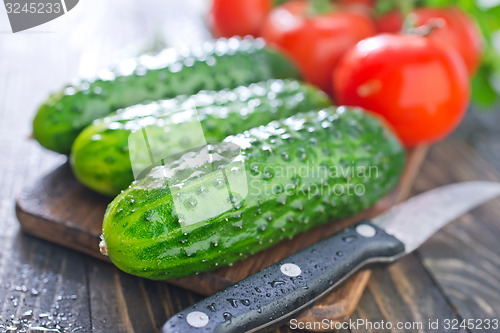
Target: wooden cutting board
{"points": [[59, 209]]}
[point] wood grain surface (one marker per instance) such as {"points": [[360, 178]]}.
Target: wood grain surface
{"points": [[453, 276]]}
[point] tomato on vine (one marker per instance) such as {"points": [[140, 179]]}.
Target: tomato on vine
{"points": [[418, 85], [239, 17], [315, 35], [459, 31]]}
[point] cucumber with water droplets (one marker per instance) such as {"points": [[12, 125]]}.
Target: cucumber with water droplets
{"points": [[100, 156], [256, 189], [212, 66]]}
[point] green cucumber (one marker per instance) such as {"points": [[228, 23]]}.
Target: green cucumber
{"points": [[213, 66], [266, 184], [100, 157]]}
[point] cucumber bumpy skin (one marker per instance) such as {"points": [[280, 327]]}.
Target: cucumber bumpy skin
{"points": [[226, 63], [295, 171], [100, 157]]}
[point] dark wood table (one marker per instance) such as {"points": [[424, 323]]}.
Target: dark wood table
{"points": [[455, 275]]}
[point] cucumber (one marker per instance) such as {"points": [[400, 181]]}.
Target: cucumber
{"points": [[100, 157], [266, 184], [226, 63]]}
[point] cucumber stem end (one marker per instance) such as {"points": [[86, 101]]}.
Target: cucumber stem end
{"points": [[103, 248]]}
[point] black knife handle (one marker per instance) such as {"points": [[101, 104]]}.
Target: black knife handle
{"points": [[279, 292]]}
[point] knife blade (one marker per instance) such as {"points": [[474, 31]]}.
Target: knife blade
{"points": [[281, 291]]}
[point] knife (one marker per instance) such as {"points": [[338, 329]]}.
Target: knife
{"points": [[281, 291]]}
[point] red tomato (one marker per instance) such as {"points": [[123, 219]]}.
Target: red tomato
{"points": [[316, 42], [420, 87], [460, 31], [239, 17], [390, 22]]}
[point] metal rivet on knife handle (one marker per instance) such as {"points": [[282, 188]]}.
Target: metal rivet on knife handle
{"points": [[366, 230], [290, 270], [197, 319]]}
